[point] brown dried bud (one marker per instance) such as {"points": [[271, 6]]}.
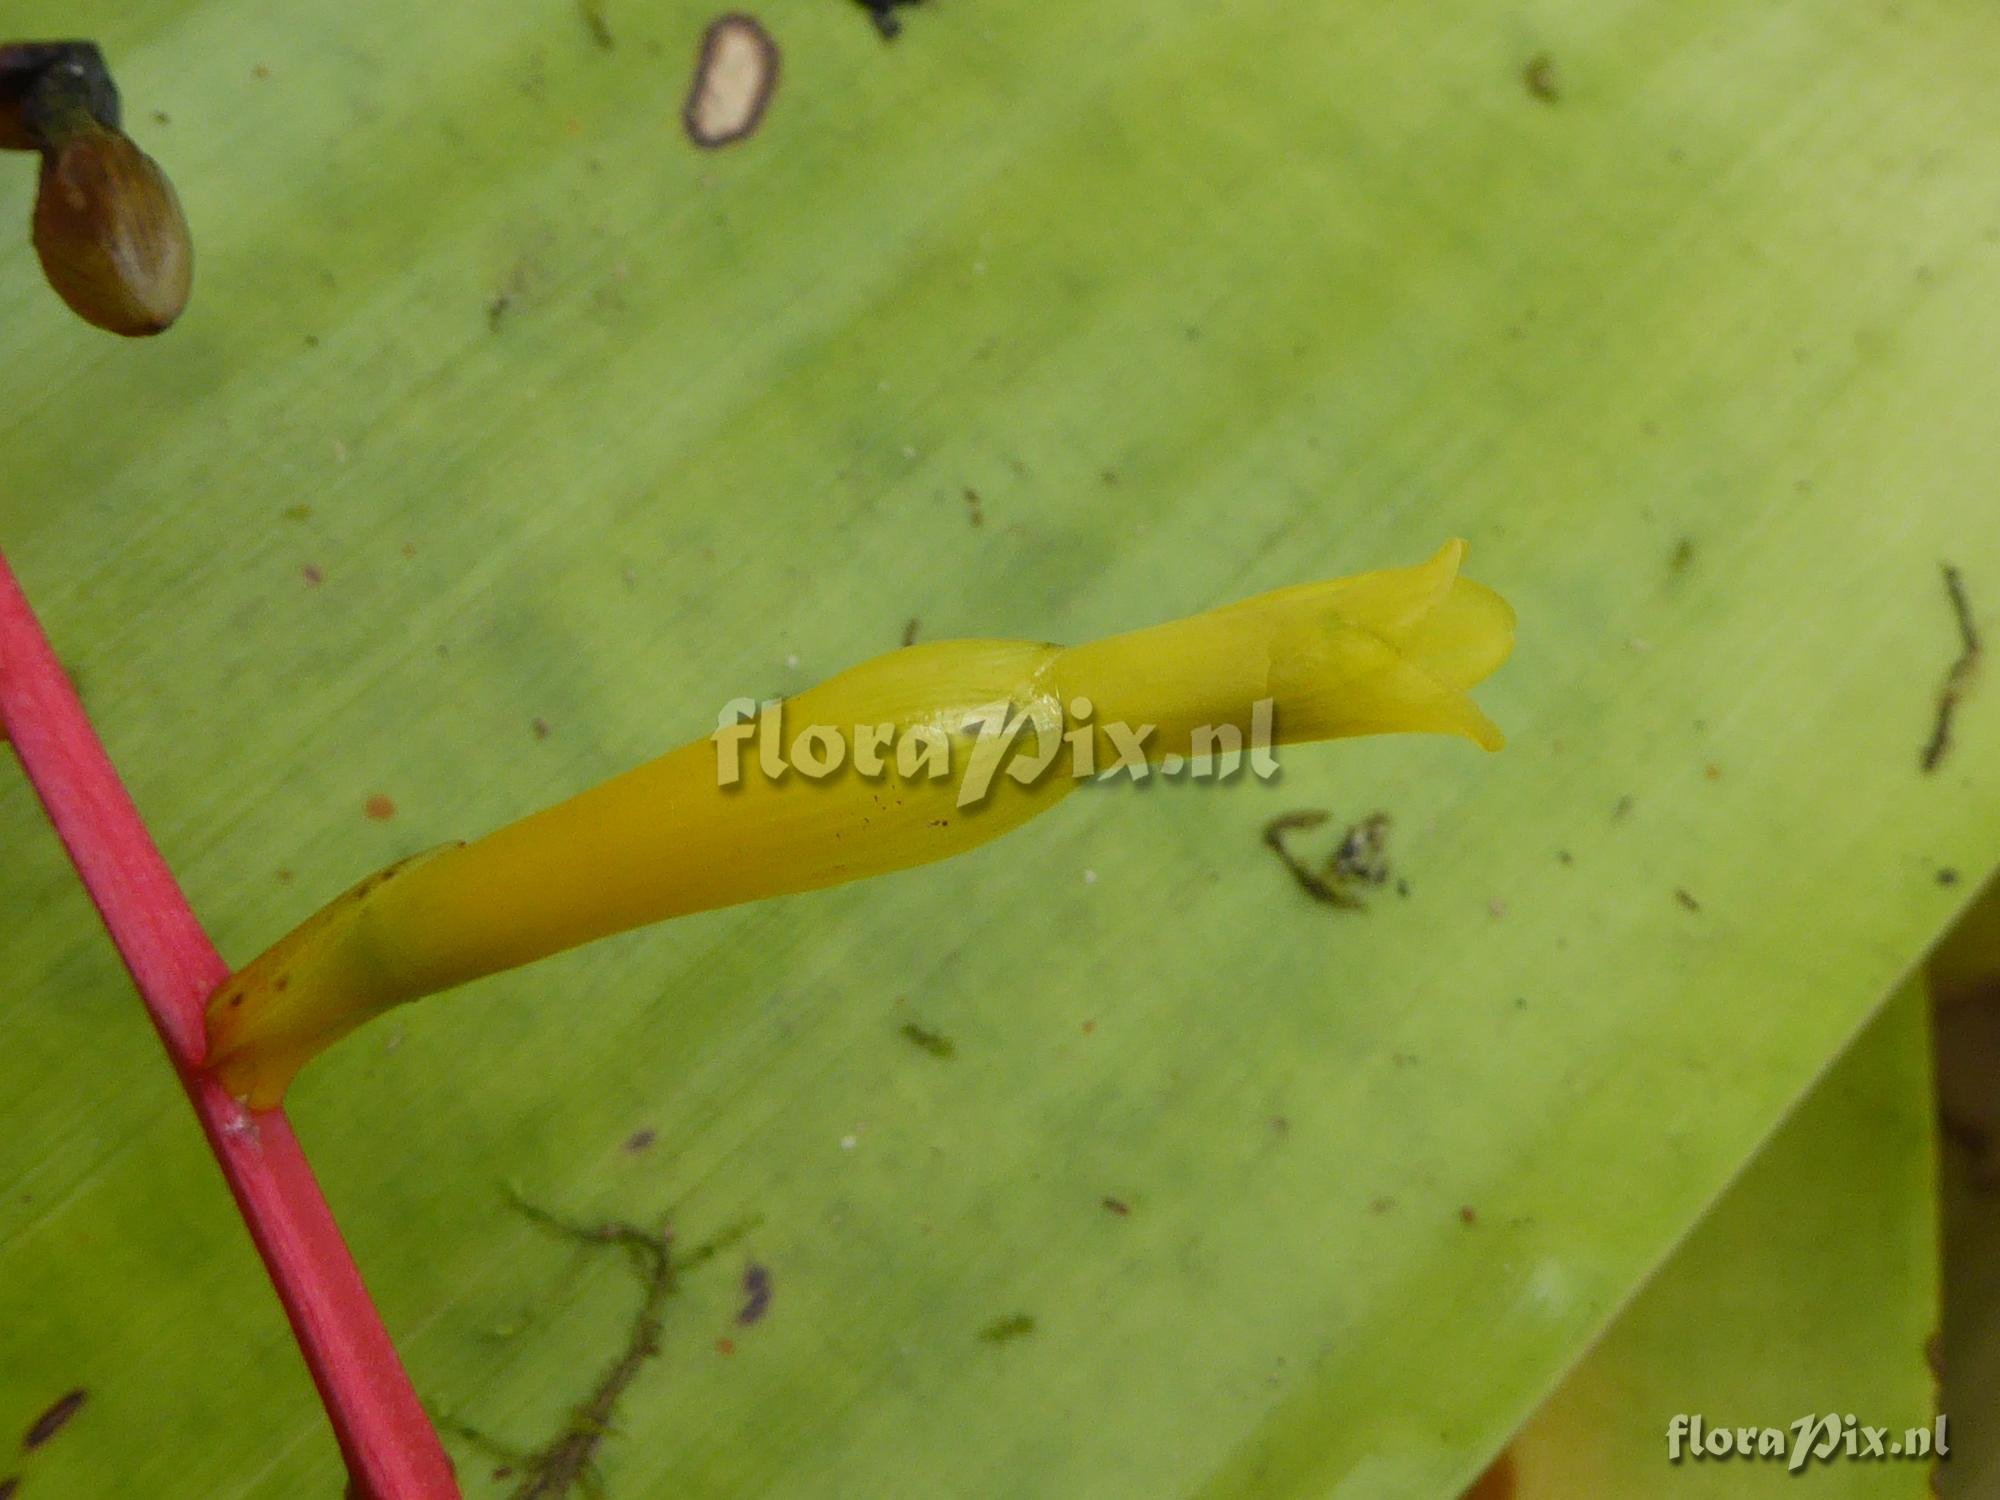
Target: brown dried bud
{"points": [[110, 233]]}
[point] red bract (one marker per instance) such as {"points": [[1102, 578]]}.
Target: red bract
{"points": [[392, 1452]]}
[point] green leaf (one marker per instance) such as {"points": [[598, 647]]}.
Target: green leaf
{"points": [[497, 403], [1810, 1291]]}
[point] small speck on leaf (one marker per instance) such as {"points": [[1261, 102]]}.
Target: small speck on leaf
{"points": [[1007, 1329], [57, 1417], [756, 1295], [1541, 80], [379, 808], [1686, 898], [924, 1039], [591, 12]]}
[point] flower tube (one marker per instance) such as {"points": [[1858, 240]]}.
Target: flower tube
{"points": [[913, 756]]}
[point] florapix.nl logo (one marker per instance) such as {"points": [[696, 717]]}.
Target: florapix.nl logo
{"points": [[1025, 742]]}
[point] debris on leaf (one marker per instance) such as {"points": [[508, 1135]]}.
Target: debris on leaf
{"points": [[57, 1417], [883, 14], [734, 78], [1360, 858], [569, 1460], [1958, 677]]}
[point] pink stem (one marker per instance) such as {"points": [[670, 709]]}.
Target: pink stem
{"points": [[391, 1449]]}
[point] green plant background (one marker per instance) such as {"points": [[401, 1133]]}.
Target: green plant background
{"points": [[574, 424]]}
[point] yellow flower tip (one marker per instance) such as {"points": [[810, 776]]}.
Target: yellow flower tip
{"points": [[1388, 652], [897, 745]]}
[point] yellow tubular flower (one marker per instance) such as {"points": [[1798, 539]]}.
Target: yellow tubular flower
{"points": [[923, 753]]}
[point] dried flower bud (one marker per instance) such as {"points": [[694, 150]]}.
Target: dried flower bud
{"points": [[110, 233]]}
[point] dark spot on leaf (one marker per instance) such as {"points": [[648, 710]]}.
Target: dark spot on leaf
{"points": [[924, 1039], [1947, 876], [1540, 77], [640, 1140], [379, 808], [57, 1417], [1468, 1215], [756, 1295], [883, 14], [973, 511], [312, 575], [1117, 1206], [910, 631], [1686, 898], [592, 14], [1005, 1330], [539, 728]]}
